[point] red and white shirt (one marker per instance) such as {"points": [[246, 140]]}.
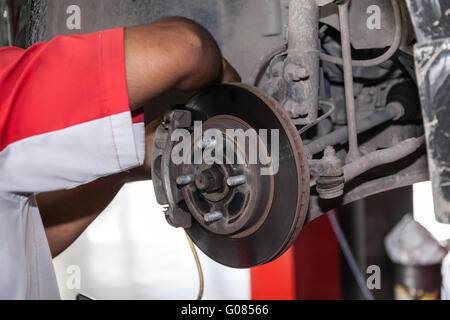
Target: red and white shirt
{"points": [[64, 121]]}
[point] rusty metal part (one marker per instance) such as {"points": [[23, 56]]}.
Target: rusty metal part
{"points": [[330, 183], [163, 171], [416, 172], [269, 233], [332, 175], [381, 157]]}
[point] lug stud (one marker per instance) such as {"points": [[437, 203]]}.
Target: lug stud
{"points": [[213, 217], [185, 180], [236, 181]]}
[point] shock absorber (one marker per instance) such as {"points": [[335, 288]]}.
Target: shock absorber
{"points": [[301, 67]]}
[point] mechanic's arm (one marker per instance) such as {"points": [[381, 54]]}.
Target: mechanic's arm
{"points": [[67, 213], [173, 54]]}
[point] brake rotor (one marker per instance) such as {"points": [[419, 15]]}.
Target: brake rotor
{"points": [[240, 217]]}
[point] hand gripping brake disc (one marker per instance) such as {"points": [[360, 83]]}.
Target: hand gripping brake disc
{"points": [[241, 207]]}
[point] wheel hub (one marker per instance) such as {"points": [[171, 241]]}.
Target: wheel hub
{"points": [[228, 190]]}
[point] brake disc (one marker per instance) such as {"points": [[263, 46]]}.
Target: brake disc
{"points": [[238, 211]]}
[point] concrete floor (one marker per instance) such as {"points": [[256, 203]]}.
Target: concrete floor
{"points": [[130, 252]]}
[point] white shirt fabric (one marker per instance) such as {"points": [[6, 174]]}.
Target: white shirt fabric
{"points": [[46, 163]]}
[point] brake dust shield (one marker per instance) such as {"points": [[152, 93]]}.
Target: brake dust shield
{"points": [[236, 215]]}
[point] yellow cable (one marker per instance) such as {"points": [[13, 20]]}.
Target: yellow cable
{"points": [[199, 267], [224, 66], [224, 69]]}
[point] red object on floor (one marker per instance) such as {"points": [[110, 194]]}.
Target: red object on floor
{"points": [[310, 270], [317, 262], [275, 280]]}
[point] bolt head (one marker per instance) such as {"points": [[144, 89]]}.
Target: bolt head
{"points": [[295, 109], [296, 73], [329, 152]]}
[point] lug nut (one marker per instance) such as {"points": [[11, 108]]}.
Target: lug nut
{"points": [[236, 181], [213, 217], [185, 180]]}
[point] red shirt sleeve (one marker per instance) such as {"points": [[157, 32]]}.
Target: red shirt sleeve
{"points": [[66, 99], [55, 85]]}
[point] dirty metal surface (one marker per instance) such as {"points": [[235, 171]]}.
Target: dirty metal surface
{"points": [[431, 19], [244, 29], [433, 69]]}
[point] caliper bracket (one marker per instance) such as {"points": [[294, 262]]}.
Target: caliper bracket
{"points": [[164, 170]]}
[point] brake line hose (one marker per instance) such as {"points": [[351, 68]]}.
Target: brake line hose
{"points": [[384, 57], [201, 288]]}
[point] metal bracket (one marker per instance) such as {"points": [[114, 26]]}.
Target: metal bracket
{"points": [[163, 170]]}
